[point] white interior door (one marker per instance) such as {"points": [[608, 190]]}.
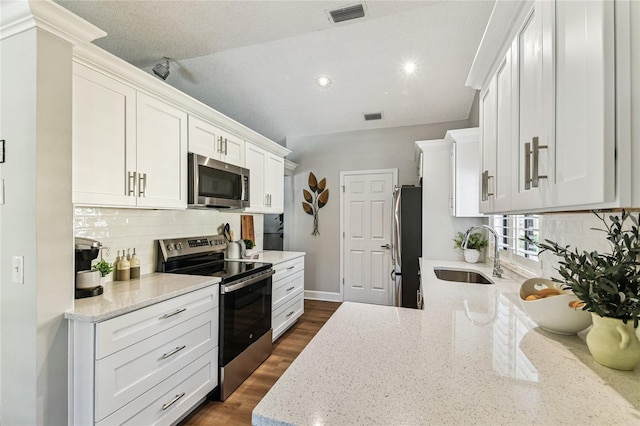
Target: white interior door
{"points": [[367, 234]]}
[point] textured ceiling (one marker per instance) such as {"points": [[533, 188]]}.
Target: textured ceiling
{"points": [[257, 61]]}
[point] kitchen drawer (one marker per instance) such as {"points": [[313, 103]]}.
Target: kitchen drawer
{"points": [[284, 269], [118, 333], [127, 374], [154, 407], [286, 288], [287, 315]]}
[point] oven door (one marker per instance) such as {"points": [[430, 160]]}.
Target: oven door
{"points": [[213, 183], [245, 315]]}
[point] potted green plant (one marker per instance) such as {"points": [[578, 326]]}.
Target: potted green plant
{"points": [[104, 267], [476, 242], [609, 286]]}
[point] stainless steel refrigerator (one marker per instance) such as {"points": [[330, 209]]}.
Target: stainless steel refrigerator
{"points": [[407, 216]]}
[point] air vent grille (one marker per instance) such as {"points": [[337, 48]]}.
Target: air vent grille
{"points": [[373, 116], [347, 13]]}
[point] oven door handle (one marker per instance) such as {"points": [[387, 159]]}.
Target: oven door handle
{"points": [[229, 288]]}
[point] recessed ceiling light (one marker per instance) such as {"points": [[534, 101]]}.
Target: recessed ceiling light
{"points": [[323, 81], [409, 68]]}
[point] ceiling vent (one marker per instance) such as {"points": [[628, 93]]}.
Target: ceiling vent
{"points": [[373, 116], [347, 13]]}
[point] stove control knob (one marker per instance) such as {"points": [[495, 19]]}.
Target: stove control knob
{"points": [[179, 246], [170, 247]]}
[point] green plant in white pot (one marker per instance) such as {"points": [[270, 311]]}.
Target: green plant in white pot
{"points": [[609, 286], [476, 242], [105, 268]]}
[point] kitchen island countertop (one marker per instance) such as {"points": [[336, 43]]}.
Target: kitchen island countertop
{"points": [[472, 356], [121, 297]]}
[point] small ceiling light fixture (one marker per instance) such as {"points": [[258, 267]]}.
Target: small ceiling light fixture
{"points": [[409, 68], [323, 81], [162, 70], [347, 13]]}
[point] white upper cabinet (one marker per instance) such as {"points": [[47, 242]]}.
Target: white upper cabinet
{"points": [[161, 154], [129, 149], [463, 190], [548, 106], [266, 187], [585, 104], [210, 141]]}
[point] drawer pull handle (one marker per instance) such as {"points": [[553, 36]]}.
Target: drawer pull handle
{"points": [[173, 352], [173, 401], [290, 313], [177, 311], [290, 268], [290, 288]]}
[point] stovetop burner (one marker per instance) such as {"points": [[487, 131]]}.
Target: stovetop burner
{"points": [[204, 256]]}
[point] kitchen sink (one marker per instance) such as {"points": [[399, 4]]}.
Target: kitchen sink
{"points": [[461, 276]]}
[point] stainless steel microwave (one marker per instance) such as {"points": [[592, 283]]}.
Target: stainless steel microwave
{"points": [[213, 183]]}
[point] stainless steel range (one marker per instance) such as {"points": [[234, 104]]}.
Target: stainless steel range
{"points": [[245, 303]]}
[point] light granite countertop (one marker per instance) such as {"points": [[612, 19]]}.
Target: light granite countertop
{"points": [[472, 356], [121, 297], [274, 256]]}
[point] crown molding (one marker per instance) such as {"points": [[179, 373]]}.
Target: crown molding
{"points": [[289, 167], [497, 35], [20, 16]]}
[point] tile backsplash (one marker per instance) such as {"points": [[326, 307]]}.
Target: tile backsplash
{"points": [[574, 229], [122, 229]]}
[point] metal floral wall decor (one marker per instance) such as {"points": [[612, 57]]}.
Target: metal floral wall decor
{"points": [[315, 200]]}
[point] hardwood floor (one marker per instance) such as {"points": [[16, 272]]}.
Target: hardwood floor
{"points": [[236, 410]]}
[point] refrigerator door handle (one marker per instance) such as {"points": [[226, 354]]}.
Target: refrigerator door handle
{"points": [[397, 254]]}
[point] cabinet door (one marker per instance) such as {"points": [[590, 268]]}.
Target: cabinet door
{"points": [[162, 154], [232, 151], [585, 109], [274, 183], [535, 106], [505, 135], [204, 138], [488, 145], [255, 161], [104, 138]]}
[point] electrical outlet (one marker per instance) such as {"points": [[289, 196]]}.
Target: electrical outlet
{"points": [[17, 269]]}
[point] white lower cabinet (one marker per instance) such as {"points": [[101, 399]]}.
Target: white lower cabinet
{"points": [[150, 366], [287, 295]]}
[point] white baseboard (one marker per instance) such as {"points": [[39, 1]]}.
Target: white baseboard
{"points": [[326, 296]]}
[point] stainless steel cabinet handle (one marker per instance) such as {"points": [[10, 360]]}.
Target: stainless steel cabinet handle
{"points": [[527, 165], [131, 183], [290, 288], [290, 268], [173, 352], [290, 313], [535, 176], [220, 142], [226, 142], [142, 185], [173, 401], [176, 312], [485, 186]]}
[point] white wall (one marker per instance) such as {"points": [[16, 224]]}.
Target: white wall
{"points": [[326, 156], [36, 224], [121, 229]]}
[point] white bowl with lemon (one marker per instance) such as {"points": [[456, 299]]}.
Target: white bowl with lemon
{"points": [[552, 308]]}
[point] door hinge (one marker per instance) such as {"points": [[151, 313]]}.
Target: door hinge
{"points": [[343, 235], [342, 188], [343, 281]]}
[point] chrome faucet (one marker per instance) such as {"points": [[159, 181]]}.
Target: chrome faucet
{"points": [[497, 272]]}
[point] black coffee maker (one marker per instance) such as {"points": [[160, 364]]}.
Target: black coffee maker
{"points": [[87, 281]]}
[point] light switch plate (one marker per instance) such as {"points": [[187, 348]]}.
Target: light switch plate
{"points": [[17, 269]]}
